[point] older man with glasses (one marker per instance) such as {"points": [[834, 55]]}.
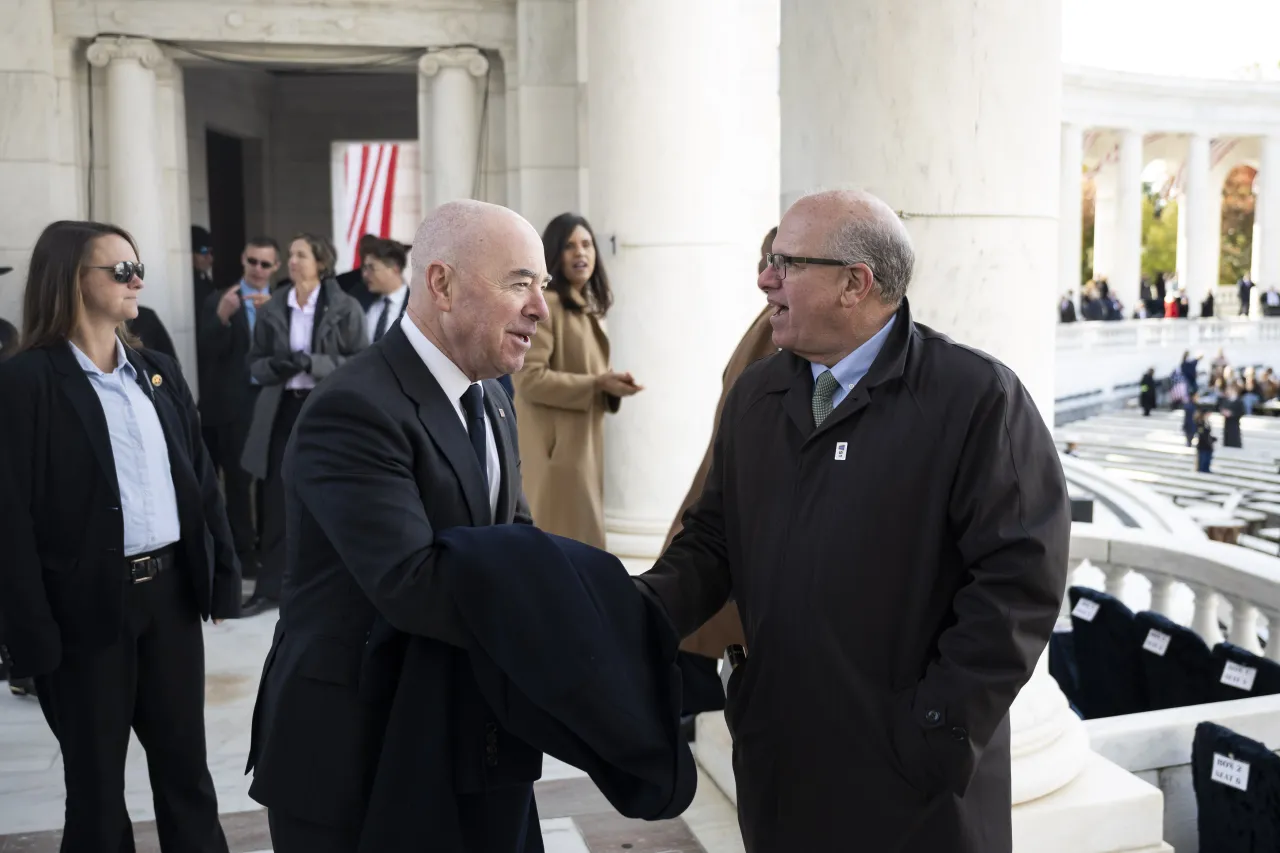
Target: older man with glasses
{"points": [[888, 511]]}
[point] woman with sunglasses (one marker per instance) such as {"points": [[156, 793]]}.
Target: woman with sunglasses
{"points": [[305, 332], [116, 542]]}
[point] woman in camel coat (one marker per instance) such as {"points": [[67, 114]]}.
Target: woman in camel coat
{"points": [[566, 387]]}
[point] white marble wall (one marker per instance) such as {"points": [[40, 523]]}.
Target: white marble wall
{"points": [[493, 177], [543, 111], [38, 131], [171, 115]]}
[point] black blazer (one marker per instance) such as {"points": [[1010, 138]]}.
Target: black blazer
{"points": [[379, 460], [352, 283], [564, 657], [224, 362], [63, 579]]}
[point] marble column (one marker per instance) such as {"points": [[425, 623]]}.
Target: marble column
{"points": [[1104, 221], [1266, 246], [1199, 273], [1070, 209], [134, 198], [965, 144], [682, 189], [1127, 270], [454, 146]]}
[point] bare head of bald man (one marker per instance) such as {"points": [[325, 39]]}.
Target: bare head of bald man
{"points": [[476, 289], [852, 263]]}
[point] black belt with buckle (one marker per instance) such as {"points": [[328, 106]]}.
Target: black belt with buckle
{"points": [[144, 567]]}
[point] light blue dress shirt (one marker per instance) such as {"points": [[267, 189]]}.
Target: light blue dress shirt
{"points": [[250, 310], [850, 369], [148, 501]]}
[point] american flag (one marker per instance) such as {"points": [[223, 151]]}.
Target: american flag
{"points": [[367, 194]]}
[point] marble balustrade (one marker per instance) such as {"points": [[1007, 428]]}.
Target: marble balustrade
{"points": [[1230, 584]]}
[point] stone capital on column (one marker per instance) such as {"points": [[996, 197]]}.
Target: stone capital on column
{"points": [[108, 49], [454, 57]]}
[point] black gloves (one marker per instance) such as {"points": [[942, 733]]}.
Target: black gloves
{"points": [[290, 365]]}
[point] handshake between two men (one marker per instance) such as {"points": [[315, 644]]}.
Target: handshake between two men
{"points": [[885, 507]]}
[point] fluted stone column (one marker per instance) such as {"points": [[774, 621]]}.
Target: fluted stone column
{"points": [[1070, 209], [454, 145], [1127, 270], [135, 175]]}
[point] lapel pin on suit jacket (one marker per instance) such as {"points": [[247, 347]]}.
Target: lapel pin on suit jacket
{"points": [[157, 380], [501, 413]]}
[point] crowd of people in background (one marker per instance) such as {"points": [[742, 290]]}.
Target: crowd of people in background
{"points": [[1161, 297], [1232, 391]]}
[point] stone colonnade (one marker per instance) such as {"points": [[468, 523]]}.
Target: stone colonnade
{"points": [[1118, 214], [683, 157]]}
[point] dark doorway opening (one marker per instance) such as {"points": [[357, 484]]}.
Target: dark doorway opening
{"points": [[225, 159]]}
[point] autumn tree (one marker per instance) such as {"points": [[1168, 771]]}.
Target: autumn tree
{"points": [[1237, 225]]}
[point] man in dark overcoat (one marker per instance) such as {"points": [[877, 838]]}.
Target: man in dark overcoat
{"points": [[887, 509]]}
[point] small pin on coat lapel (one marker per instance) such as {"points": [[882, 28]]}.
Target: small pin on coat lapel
{"points": [[157, 380]]}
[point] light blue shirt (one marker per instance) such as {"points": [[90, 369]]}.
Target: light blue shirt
{"points": [[850, 369], [250, 310], [148, 501]]}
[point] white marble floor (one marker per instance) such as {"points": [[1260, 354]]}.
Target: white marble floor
{"points": [[31, 784]]}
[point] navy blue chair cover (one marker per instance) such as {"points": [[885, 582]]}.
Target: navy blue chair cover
{"points": [[1176, 670], [1239, 674], [1110, 673], [1237, 785]]}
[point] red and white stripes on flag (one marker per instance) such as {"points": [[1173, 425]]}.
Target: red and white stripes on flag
{"points": [[367, 195]]}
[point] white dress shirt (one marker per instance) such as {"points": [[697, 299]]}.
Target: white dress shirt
{"points": [[148, 502], [374, 312], [302, 323], [455, 383]]}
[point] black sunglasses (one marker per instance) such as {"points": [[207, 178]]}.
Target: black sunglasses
{"points": [[254, 262], [124, 271]]}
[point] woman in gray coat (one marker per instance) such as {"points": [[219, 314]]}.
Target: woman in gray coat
{"points": [[304, 333]]}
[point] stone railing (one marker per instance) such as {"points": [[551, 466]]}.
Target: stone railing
{"points": [[1231, 584], [1162, 333], [1099, 363], [1248, 582]]}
